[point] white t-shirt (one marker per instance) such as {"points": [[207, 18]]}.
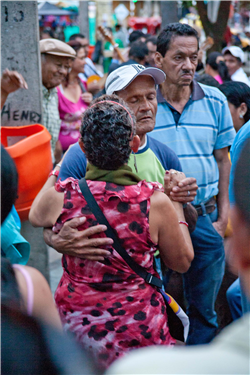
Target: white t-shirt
{"points": [[240, 76]]}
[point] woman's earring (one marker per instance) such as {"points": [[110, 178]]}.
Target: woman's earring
{"points": [[241, 116], [135, 165]]}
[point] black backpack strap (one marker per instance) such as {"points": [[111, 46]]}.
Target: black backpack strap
{"points": [[148, 277]]}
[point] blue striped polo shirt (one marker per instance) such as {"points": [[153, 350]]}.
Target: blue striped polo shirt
{"points": [[204, 125]]}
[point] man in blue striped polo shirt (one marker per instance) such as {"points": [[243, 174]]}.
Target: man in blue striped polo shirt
{"points": [[194, 120]]}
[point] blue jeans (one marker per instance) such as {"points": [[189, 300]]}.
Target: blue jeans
{"points": [[203, 280], [234, 299]]}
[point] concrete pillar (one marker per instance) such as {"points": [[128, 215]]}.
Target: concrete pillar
{"points": [[20, 51], [84, 18]]}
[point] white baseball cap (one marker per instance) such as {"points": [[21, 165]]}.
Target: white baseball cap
{"points": [[235, 51], [120, 78]]}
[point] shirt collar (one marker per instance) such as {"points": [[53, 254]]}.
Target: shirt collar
{"points": [[144, 147], [197, 93], [49, 92]]}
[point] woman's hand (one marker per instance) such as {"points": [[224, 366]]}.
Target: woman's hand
{"points": [[179, 187], [87, 97], [171, 179]]}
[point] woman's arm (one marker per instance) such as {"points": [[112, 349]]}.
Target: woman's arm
{"points": [[173, 239], [43, 304], [46, 207]]}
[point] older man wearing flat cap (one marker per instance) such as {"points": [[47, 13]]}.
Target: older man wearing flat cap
{"points": [[56, 58]]}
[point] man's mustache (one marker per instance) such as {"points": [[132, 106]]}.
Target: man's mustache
{"points": [[187, 72]]}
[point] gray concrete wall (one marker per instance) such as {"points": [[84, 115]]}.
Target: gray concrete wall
{"points": [[19, 51], [84, 18]]}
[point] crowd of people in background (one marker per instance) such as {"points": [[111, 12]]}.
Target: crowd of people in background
{"points": [[160, 135]]}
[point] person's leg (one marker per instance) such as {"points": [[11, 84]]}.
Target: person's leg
{"points": [[203, 280], [234, 299]]}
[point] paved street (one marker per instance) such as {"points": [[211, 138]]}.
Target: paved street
{"points": [[55, 268]]}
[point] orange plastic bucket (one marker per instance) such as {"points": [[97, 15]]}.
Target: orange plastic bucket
{"points": [[30, 148]]}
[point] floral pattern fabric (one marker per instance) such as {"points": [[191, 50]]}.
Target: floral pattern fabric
{"points": [[108, 307]]}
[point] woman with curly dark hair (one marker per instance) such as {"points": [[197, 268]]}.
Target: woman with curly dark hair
{"points": [[108, 307]]}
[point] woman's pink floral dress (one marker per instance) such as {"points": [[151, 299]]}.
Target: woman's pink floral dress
{"points": [[108, 307]]}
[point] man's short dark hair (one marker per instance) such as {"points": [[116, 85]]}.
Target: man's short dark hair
{"points": [[170, 32], [152, 39], [135, 35], [138, 51], [74, 36]]}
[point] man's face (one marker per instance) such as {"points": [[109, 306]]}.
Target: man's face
{"points": [[54, 70], [232, 63], [151, 53], [140, 96], [85, 43], [180, 61]]}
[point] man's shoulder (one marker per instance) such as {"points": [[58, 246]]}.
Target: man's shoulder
{"points": [[243, 133], [74, 163], [212, 93], [164, 154], [240, 76], [154, 144]]}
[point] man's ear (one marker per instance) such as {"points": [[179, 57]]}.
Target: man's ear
{"points": [[135, 143], [81, 144], [158, 60]]}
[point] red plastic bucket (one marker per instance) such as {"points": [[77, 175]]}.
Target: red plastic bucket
{"points": [[29, 146]]}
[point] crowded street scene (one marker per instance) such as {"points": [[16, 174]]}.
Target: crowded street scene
{"points": [[125, 187]]}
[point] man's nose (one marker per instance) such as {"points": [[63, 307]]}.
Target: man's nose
{"points": [[187, 64], [63, 70], [145, 105]]}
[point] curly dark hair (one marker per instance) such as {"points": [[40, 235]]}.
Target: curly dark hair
{"points": [[170, 32], [106, 132]]}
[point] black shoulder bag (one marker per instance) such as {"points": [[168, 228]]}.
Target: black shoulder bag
{"points": [[139, 270]]}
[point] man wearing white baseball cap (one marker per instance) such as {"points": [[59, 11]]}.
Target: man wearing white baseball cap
{"points": [[137, 86], [56, 58], [234, 59], [122, 77]]}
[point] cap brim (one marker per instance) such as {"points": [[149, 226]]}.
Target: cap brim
{"points": [[60, 54], [157, 75]]}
